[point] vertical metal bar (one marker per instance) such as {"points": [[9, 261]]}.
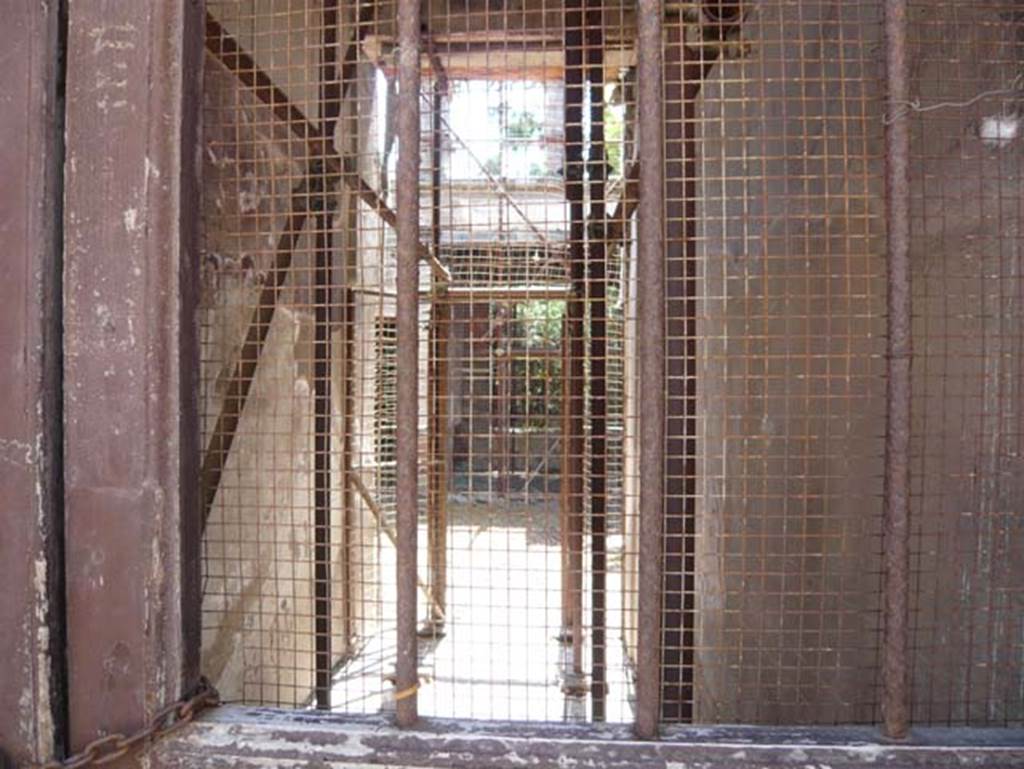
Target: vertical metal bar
{"points": [[407, 183], [596, 298], [363, 15], [574, 372], [125, 407], [351, 135], [349, 541], [440, 315], [438, 527], [651, 361], [322, 468], [500, 401], [330, 103], [895, 689]]}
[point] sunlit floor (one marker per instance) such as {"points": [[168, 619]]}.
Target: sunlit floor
{"points": [[500, 657]]}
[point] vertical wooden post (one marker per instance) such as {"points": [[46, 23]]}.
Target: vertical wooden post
{"points": [[349, 521], [683, 79], [323, 423], [685, 69], [352, 136]]}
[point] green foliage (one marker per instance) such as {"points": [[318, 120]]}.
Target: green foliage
{"points": [[522, 126], [614, 128], [540, 322], [537, 381], [536, 392]]}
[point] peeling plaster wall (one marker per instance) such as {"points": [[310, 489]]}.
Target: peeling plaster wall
{"points": [[257, 640], [258, 637]]}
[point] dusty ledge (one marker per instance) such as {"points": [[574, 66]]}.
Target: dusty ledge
{"points": [[250, 737]]}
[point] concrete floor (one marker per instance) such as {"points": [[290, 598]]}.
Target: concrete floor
{"points": [[500, 658]]}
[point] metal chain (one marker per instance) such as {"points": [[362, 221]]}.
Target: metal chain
{"points": [[170, 718]]}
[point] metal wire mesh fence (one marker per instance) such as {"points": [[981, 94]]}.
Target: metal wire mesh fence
{"points": [[776, 371], [529, 345], [967, 591], [299, 370]]}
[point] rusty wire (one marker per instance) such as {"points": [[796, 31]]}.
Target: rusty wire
{"points": [[966, 563], [565, 552]]}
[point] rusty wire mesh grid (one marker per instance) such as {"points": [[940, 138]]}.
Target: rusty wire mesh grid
{"points": [[300, 469], [967, 503], [298, 295], [776, 390], [527, 344], [528, 391]]}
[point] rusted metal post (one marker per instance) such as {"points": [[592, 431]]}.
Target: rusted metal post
{"points": [[330, 104], [130, 362], [896, 535], [437, 398], [573, 373], [500, 412], [408, 205], [349, 541], [31, 571], [651, 362], [596, 285]]}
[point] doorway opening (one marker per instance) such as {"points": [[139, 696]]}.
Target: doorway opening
{"points": [[524, 607]]}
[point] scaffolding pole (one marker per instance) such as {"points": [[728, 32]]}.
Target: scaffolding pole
{"points": [[896, 534], [597, 292], [651, 360], [437, 382], [573, 427], [407, 357], [330, 105]]}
